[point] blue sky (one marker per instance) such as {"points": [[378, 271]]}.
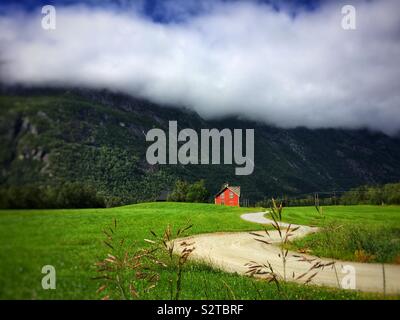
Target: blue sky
{"points": [[154, 8]]}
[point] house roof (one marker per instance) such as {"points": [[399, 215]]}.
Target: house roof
{"points": [[234, 189]]}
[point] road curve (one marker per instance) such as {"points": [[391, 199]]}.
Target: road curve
{"points": [[231, 251]]}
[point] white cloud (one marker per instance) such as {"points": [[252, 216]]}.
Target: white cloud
{"points": [[235, 58]]}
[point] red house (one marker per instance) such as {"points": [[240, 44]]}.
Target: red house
{"points": [[228, 196]]}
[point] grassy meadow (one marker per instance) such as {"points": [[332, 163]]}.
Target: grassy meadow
{"points": [[363, 233], [72, 241], [364, 214]]}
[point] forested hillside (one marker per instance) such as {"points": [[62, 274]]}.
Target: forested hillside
{"points": [[52, 136]]}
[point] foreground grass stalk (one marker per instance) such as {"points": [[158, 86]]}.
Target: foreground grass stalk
{"points": [[266, 269], [384, 279], [122, 270], [176, 262]]}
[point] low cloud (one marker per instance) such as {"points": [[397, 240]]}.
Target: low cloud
{"points": [[233, 58]]}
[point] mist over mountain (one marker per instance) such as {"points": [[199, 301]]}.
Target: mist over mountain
{"points": [[284, 65]]}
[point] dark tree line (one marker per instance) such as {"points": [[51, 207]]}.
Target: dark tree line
{"points": [[385, 194], [185, 192], [374, 195], [78, 195], [67, 195]]}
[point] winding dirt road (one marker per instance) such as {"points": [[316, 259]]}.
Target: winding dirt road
{"points": [[231, 251]]}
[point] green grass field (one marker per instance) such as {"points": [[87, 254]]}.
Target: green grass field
{"points": [[71, 241], [362, 233], [365, 214]]}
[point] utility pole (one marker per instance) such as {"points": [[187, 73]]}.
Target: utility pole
{"points": [[316, 200]]}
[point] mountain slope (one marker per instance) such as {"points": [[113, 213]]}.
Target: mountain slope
{"points": [[48, 136]]}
